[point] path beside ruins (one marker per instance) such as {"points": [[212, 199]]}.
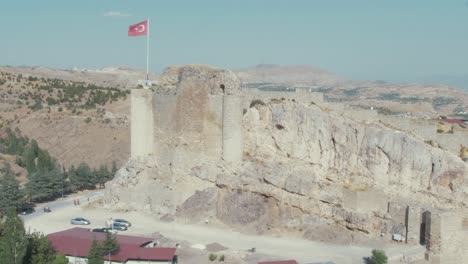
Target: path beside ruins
{"points": [[302, 250]]}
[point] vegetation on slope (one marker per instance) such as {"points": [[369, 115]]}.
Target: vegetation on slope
{"points": [[47, 180], [37, 93]]}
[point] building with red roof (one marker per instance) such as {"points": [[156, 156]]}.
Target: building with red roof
{"points": [[75, 243], [279, 262]]}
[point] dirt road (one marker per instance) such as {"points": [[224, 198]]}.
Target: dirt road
{"points": [[303, 251]]}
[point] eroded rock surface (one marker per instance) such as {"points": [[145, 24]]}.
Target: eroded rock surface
{"points": [[304, 168]]}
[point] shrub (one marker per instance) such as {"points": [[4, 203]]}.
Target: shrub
{"points": [[221, 258], [88, 119], [279, 126], [60, 109], [256, 102], [379, 257], [213, 257]]}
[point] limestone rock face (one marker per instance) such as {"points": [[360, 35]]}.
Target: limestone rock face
{"points": [[303, 169], [135, 187]]}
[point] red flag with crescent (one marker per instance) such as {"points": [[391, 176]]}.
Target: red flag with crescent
{"points": [[140, 29]]}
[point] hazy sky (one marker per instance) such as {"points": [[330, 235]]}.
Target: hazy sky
{"points": [[361, 39]]}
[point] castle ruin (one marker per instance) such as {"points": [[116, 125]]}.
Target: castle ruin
{"points": [[195, 114]]}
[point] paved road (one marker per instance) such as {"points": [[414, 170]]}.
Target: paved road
{"points": [[62, 203]]}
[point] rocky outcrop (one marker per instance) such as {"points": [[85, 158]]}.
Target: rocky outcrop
{"points": [[303, 168]]}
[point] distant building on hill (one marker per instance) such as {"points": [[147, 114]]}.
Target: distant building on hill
{"points": [[279, 262]]}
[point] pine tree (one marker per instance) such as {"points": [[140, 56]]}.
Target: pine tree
{"points": [[45, 185], [13, 242], [29, 156], [95, 253], [39, 249], [111, 245], [10, 193], [84, 177], [72, 179], [44, 161]]}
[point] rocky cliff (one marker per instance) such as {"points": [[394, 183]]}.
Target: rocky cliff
{"points": [[306, 171]]}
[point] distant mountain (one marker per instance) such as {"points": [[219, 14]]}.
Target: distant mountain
{"points": [[458, 81], [119, 76], [288, 74]]}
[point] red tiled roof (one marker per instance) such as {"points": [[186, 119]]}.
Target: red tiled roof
{"points": [[279, 262], [452, 121], [77, 242]]}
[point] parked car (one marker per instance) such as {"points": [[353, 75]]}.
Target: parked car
{"points": [[117, 226], [100, 230], [26, 211], [80, 221], [123, 222]]}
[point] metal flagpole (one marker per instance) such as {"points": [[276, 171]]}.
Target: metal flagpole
{"points": [[147, 53]]}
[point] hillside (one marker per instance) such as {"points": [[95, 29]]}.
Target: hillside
{"points": [[421, 100], [76, 121], [88, 110]]}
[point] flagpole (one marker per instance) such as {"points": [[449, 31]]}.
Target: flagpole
{"points": [[147, 52]]}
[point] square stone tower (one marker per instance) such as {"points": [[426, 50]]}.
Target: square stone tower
{"points": [[194, 114]]}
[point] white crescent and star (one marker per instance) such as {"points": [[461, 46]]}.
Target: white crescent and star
{"points": [[140, 28]]}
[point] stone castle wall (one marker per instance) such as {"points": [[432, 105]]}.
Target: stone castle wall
{"points": [[448, 238], [267, 96], [427, 130], [142, 125]]}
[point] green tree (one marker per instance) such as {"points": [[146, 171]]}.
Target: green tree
{"points": [[29, 156], [110, 245], [13, 242], [39, 249], [102, 175], [44, 161], [379, 257], [72, 179], [114, 168], [45, 185], [95, 253], [10, 193], [60, 259], [84, 177]]}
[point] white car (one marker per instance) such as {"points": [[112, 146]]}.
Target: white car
{"points": [[80, 221], [122, 222]]}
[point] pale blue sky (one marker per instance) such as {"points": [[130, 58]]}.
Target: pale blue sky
{"points": [[394, 40]]}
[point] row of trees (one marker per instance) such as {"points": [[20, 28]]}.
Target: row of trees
{"points": [[20, 247], [57, 91], [47, 180]]}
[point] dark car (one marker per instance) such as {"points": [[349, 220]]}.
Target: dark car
{"points": [[117, 226], [100, 230], [123, 222], [26, 211]]}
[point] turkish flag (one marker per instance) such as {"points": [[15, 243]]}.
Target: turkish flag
{"points": [[140, 29]]}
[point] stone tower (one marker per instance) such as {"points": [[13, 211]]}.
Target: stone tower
{"points": [[195, 113]]}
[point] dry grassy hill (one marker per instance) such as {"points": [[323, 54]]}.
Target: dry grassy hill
{"points": [[75, 121], [83, 115]]}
